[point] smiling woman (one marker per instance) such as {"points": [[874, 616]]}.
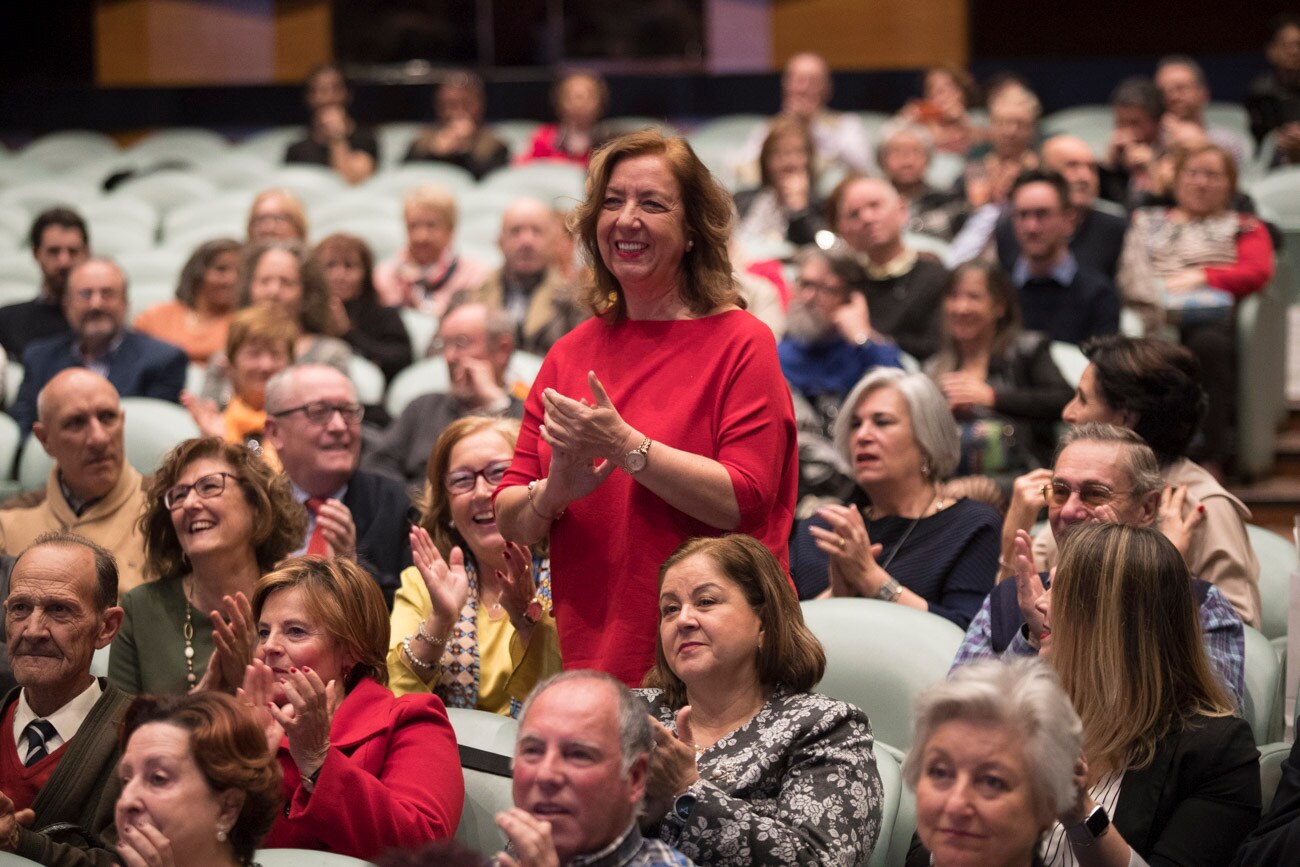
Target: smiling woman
{"points": [[218, 519], [673, 382]]}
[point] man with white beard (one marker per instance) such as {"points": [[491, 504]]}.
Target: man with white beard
{"points": [[829, 343]]}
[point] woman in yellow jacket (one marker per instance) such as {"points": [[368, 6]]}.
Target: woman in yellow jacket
{"points": [[472, 621]]}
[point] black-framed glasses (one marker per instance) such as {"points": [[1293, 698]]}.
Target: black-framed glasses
{"points": [[206, 487], [463, 481], [320, 412], [1092, 495]]}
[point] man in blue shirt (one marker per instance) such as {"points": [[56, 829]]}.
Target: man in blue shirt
{"points": [[829, 342], [1058, 296]]}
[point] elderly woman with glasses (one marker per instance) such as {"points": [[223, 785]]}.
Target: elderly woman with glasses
{"points": [[472, 619], [219, 520]]}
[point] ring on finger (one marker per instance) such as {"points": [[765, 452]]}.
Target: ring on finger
{"points": [[844, 543]]}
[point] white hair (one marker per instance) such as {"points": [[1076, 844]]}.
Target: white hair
{"points": [[933, 426]]}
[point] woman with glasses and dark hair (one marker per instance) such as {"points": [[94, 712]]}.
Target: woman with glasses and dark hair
{"points": [[472, 620], [220, 519]]}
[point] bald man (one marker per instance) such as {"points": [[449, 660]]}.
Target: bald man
{"points": [[840, 138], [904, 288], [1098, 236], [528, 286], [91, 490], [95, 304]]}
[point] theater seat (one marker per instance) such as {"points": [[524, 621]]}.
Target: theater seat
{"points": [[1271, 757], [879, 656], [487, 743], [1277, 560], [1263, 700], [301, 858], [891, 782]]}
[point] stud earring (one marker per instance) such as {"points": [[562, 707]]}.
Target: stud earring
{"points": [[925, 467], [221, 834], [451, 524]]}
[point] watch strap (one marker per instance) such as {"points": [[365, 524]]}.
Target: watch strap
{"points": [[1094, 825]]}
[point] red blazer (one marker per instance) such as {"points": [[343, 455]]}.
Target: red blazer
{"points": [[392, 779]]}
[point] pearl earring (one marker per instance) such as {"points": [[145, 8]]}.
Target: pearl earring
{"points": [[451, 524], [221, 834]]}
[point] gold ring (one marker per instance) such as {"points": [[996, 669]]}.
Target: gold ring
{"points": [[844, 543]]}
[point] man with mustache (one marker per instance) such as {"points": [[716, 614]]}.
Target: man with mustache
{"points": [[91, 489], [1102, 473], [58, 728], [95, 304]]}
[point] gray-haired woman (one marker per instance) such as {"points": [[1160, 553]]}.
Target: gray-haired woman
{"points": [[911, 544], [994, 764]]}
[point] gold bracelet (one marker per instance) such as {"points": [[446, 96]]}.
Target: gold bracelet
{"points": [[545, 517]]}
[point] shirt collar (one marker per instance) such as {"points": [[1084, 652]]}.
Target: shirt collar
{"points": [[108, 353], [895, 267], [78, 507], [302, 496], [1062, 272], [66, 720], [615, 854]]}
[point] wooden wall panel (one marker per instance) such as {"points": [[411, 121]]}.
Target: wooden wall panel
{"points": [[871, 34]]}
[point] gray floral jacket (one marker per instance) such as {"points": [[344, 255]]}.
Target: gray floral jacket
{"points": [[797, 784]]}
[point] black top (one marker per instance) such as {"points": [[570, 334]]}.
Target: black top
{"points": [[1271, 103], [311, 151], [380, 509], [907, 308], [378, 335], [27, 322], [950, 559], [1097, 242], [1087, 307], [801, 225], [486, 154], [1028, 388]]}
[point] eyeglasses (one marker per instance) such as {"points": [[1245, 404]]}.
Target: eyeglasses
{"points": [[1093, 495], [802, 285], [462, 342], [463, 481], [320, 412], [206, 487]]}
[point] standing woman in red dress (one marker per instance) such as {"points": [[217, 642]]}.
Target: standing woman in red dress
{"points": [[662, 418]]}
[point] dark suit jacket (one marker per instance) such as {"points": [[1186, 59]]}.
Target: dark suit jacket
{"points": [[1276, 842], [1097, 242], [139, 367], [380, 509], [81, 792], [27, 322]]}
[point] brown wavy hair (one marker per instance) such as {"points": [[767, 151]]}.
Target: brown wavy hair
{"points": [[790, 655], [1126, 640], [707, 282], [279, 521], [230, 750], [344, 601], [342, 241], [191, 279], [314, 312]]}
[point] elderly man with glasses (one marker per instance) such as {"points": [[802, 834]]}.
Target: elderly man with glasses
{"points": [[313, 420], [1103, 474]]}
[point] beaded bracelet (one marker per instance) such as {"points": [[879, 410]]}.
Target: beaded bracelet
{"points": [[415, 660], [422, 635]]}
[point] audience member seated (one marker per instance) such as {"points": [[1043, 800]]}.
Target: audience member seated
{"points": [[364, 771], [993, 766], [1186, 94], [59, 243], [1000, 382], [782, 206], [333, 138], [277, 214], [581, 763], [58, 748], [1013, 139], [914, 544], [839, 139], [1060, 297], [472, 619], [373, 331], [459, 136], [428, 271], [904, 156], [95, 304], [904, 288], [1180, 779], [1274, 97], [1102, 474], [829, 343], [949, 92], [218, 519], [477, 344], [751, 767], [260, 345], [1153, 387], [91, 490], [1188, 265], [314, 423], [529, 286], [222, 785], [206, 298], [1097, 237], [579, 98], [695, 411], [1126, 173]]}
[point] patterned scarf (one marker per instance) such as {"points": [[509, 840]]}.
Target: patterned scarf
{"points": [[459, 682]]}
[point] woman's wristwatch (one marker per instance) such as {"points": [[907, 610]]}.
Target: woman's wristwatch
{"points": [[890, 590], [1094, 825]]}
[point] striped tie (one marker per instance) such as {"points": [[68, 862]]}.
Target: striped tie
{"points": [[37, 732]]}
